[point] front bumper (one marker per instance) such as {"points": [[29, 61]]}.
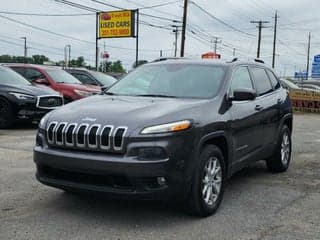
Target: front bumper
{"points": [[116, 174]]}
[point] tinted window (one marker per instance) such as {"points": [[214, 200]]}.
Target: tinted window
{"points": [[21, 71], [262, 81], [241, 79], [103, 78], [8, 76], [32, 74], [178, 80], [274, 81], [84, 78]]}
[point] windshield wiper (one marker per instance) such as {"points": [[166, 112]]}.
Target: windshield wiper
{"points": [[108, 93], [155, 95]]}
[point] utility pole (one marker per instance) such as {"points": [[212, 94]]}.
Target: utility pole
{"points": [[260, 26], [175, 31], [184, 24], [25, 49], [215, 44], [274, 39], [309, 41]]}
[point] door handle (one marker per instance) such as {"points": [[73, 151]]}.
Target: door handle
{"points": [[258, 108]]}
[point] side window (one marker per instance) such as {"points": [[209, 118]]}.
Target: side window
{"points": [[274, 81], [262, 81], [32, 74], [19, 70], [241, 79], [84, 78]]}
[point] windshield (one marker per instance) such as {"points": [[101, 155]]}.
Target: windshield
{"points": [[61, 76], [8, 76], [103, 78], [174, 80]]}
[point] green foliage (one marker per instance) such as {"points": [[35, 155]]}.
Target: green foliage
{"points": [[79, 62], [116, 66]]}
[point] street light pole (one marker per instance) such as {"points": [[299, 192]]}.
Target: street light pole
{"points": [[25, 49]]}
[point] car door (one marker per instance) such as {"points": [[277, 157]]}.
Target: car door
{"points": [[267, 103], [245, 121]]}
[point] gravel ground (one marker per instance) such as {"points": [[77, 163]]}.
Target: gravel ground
{"points": [[256, 204]]}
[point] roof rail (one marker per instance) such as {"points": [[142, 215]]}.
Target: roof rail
{"points": [[258, 60], [168, 58], [233, 60]]}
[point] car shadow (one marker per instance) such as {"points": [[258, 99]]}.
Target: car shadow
{"points": [[131, 211]]}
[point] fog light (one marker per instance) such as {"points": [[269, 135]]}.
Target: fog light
{"points": [[39, 141], [161, 181]]}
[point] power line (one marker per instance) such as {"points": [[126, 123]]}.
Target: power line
{"points": [[45, 30], [46, 15], [221, 21]]}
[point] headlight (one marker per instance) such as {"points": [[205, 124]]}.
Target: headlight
{"points": [[43, 121], [83, 93], [168, 127], [21, 96]]}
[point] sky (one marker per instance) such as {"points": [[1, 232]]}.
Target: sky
{"points": [[228, 20]]}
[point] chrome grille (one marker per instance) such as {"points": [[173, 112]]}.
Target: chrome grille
{"points": [[86, 137]]}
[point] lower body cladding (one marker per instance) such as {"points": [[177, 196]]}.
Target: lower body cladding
{"points": [[167, 177]]}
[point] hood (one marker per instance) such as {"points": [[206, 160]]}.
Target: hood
{"points": [[32, 90], [82, 87], [131, 112]]}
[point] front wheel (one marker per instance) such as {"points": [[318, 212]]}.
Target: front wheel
{"points": [[208, 184], [280, 161], [6, 116]]}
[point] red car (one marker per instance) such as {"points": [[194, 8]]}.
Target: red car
{"points": [[56, 78]]}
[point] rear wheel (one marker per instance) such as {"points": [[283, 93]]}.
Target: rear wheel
{"points": [[280, 161], [6, 116], [208, 184]]}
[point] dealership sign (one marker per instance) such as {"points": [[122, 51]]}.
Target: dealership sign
{"points": [[305, 101], [116, 24]]}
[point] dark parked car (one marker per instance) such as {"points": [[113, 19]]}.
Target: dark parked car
{"points": [[172, 129], [92, 77], [19, 100], [57, 79]]}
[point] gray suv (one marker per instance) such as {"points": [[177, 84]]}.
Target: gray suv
{"points": [[173, 129]]}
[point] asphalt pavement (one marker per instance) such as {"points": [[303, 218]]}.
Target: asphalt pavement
{"points": [[256, 204]]}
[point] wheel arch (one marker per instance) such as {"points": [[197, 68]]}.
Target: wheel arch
{"points": [[220, 140]]}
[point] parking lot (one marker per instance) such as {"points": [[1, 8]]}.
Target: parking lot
{"points": [[256, 204]]}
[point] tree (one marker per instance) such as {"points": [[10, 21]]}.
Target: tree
{"points": [[105, 66], [117, 67], [79, 62], [140, 62], [39, 59]]}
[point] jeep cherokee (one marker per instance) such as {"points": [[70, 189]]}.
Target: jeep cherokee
{"points": [[172, 129]]}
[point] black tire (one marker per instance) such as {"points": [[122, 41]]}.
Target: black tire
{"points": [[279, 162], [6, 115], [197, 203]]}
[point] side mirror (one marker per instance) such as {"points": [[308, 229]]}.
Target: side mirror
{"points": [[243, 94], [42, 81]]}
